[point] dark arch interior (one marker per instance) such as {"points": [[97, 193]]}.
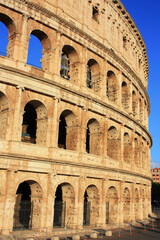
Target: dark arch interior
{"points": [[62, 132], [22, 210], [86, 210], [29, 124], [87, 140], [59, 209]]}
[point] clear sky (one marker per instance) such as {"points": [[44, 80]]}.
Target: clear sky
{"points": [[146, 15]]}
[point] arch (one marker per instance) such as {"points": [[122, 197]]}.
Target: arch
{"points": [[134, 104], [125, 96], [35, 123], [136, 152], [141, 110], [93, 137], [91, 206], [4, 110], [4, 38], [93, 80], [68, 130], [126, 205], [127, 151], [112, 87], [28, 203], [113, 143], [136, 204], [8, 22], [111, 205], [69, 64], [43, 45], [144, 203], [64, 206]]}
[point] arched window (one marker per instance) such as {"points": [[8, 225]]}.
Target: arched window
{"points": [[93, 137], [65, 66], [69, 64], [93, 80], [68, 131], [125, 96], [134, 104], [3, 38], [126, 205], [127, 151], [113, 143], [136, 152], [4, 108], [111, 206], [35, 122], [112, 87], [28, 204], [7, 29], [91, 206], [64, 206], [38, 50], [34, 52]]}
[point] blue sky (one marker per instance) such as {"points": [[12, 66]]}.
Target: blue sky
{"points": [[146, 15]]}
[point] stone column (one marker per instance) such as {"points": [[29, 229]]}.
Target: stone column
{"points": [[16, 116], [9, 202], [83, 70]]}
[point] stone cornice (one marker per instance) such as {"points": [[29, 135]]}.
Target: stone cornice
{"points": [[81, 33], [70, 163], [74, 92]]}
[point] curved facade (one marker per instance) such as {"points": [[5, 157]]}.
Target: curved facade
{"points": [[74, 142]]}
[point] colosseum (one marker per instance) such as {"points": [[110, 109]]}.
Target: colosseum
{"points": [[74, 139]]}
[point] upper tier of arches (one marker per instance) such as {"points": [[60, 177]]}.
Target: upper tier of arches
{"points": [[114, 86]]}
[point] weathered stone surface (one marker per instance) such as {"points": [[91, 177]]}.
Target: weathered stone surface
{"points": [[93, 235], [74, 140], [108, 233], [76, 237]]}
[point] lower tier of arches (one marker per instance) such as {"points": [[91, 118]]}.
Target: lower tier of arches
{"points": [[34, 200]]}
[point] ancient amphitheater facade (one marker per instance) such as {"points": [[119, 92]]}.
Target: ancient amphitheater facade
{"points": [[74, 140]]}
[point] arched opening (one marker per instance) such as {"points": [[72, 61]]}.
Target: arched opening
{"points": [[4, 39], [68, 131], [64, 206], [136, 204], [23, 207], [134, 104], [126, 205], [3, 115], [136, 152], [144, 205], [112, 87], [35, 122], [125, 96], [91, 206], [62, 132], [27, 210], [8, 35], [93, 80], [127, 151], [40, 45], [144, 154], [113, 143], [111, 206], [141, 109], [93, 137], [69, 64]]}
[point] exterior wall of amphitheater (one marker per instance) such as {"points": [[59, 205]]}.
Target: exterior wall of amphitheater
{"points": [[89, 147]]}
